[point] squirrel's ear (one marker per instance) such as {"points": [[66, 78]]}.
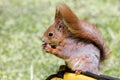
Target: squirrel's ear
{"points": [[58, 15], [64, 12], [59, 25]]}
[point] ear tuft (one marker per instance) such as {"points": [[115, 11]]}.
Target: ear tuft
{"points": [[58, 15], [64, 12]]}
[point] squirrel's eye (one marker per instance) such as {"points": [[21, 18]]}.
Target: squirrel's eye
{"points": [[50, 34]]}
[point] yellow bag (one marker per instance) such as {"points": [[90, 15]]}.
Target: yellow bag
{"points": [[72, 76], [62, 75]]}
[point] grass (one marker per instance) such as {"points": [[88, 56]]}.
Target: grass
{"points": [[23, 22]]}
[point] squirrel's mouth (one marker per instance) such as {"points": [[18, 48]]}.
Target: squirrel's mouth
{"points": [[52, 45]]}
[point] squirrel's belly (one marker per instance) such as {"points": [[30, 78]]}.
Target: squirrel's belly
{"points": [[73, 64], [82, 63]]}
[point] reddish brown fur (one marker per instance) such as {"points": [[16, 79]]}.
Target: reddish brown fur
{"points": [[78, 42], [83, 29]]}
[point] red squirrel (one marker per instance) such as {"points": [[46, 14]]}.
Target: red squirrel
{"points": [[78, 42]]}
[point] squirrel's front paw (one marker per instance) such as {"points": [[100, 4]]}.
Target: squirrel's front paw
{"points": [[50, 49], [46, 47]]}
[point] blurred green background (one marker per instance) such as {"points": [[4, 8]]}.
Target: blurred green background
{"points": [[23, 22]]}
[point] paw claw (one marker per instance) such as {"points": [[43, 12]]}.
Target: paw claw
{"points": [[78, 72]]}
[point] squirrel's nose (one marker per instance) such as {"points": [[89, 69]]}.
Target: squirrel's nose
{"points": [[44, 39]]}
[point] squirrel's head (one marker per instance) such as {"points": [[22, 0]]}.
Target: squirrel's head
{"points": [[57, 32]]}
